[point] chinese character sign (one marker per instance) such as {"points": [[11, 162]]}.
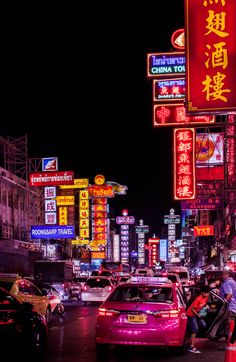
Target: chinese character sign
{"points": [[211, 56], [184, 163]]}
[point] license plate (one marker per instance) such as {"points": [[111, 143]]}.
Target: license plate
{"points": [[140, 318]]}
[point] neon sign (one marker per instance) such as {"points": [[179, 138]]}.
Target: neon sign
{"points": [[184, 163], [175, 115], [203, 230], [168, 89], [163, 64], [211, 56]]}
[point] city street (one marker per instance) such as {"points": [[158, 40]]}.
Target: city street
{"points": [[72, 338]]}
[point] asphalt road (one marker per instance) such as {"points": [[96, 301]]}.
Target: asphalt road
{"points": [[72, 339]]}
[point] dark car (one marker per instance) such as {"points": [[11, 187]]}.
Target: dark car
{"points": [[23, 332]]}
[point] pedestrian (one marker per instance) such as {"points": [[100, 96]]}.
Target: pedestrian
{"points": [[195, 320], [228, 292]]}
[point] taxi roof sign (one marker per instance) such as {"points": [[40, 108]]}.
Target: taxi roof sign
{"points": [[144, 279]]}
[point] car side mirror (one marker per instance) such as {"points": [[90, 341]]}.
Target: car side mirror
{"points": [[44, 292]]}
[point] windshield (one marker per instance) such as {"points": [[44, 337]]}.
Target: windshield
{"points": [[183, 275], [98, 283], [172, 278], [146, 294], [6, 285]]}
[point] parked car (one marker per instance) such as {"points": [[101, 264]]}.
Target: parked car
{"points": [[25, 291], [97, 289], [22, 331]]}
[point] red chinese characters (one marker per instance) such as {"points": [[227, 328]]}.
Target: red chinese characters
{"points": [[184, 163], [211, 56]]}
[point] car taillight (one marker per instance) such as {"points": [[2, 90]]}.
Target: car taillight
{"points": [[85, 288], [177, 284], [109, 288], [167, 314], [103, 312]]}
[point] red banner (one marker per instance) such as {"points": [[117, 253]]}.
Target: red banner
{"points": [[52, 178], [184, 163], [210, 56]]}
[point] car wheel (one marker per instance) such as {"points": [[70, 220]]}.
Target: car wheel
{"points": [[39, 342]]}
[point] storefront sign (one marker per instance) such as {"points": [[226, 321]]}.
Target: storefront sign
{"points": [[211, 56], [184, 164], [163, 64]]}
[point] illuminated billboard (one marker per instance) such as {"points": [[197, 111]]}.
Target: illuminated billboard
{"points": [[163, 64], [209, 149], [210, 56], [165, 90], [184, 163], [174, 115]]}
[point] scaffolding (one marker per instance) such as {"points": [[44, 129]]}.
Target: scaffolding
{"points": [[15, 156], [20, 205]]}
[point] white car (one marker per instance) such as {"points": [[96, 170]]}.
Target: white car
{"points": [[97, 289]]}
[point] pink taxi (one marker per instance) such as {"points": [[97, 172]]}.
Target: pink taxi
{"points": [[144, 311]]}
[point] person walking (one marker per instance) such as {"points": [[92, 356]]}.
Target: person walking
{"points": [[195, 320], [228, 292]]}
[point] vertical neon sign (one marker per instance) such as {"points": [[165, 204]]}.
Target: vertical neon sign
{"points": [[210, 56], [184, 163]]}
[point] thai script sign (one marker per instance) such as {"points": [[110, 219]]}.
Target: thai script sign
{"points": [[101, 191], [165, 90], [172, 219], [184, 163], [79, 183], [142, 229], [49, 232], [52, 178], [163, 64], [211, 56], [125, 220], [65, 200]]}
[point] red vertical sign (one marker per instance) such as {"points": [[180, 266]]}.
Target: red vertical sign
{"points": [[184, 163], [210, 56]]}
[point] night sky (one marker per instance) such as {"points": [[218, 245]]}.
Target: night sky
{"points": [[75, 82]]}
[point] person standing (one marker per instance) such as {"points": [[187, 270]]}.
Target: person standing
{"points": [[228, 292], [194, 316]]}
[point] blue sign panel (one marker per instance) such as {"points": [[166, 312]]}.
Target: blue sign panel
{"points": [[163, 64], [163, 250], [55, 232], [50, 164]]}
